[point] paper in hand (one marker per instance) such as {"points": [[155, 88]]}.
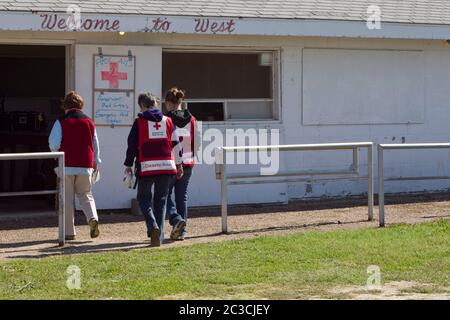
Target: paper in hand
{"points": [[95, 176]]}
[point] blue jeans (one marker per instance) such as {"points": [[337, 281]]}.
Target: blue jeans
{"points": [[154, 206], [179, 209]]}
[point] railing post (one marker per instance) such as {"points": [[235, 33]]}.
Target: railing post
{"points": [[380, 185], [221, 170], [370, 180], [224, 199], [355, 164], [61, 202], [221, 173]]}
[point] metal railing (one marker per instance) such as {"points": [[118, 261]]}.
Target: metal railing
{"points": [[221, 170], [59, 188], [382, 179]]}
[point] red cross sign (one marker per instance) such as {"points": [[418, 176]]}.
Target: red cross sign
{"points": [[157, 126], [113, 75]]}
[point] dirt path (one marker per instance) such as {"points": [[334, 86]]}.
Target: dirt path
{"points": [[36, 237]]}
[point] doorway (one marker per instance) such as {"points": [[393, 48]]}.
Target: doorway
{"points": [[32, 84]]}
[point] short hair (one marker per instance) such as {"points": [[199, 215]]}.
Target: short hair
{"points": [[73, 100], [147, 100]]}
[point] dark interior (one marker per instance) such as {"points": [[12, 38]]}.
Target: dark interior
{"points": [[32, 84], [217, 75], [208, 75]]}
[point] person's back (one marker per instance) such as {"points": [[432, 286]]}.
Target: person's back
{"points": [[154, 144], [75, 135], [190, 137], [78, 139]]}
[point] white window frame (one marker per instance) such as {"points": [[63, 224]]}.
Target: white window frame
{"points": [[276, 83]]}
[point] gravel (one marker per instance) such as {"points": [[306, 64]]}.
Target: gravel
{"points": [[35, 236]]}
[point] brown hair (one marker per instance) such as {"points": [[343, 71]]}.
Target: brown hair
{"points": [[147, 100], [72, 100], [175, 95]]}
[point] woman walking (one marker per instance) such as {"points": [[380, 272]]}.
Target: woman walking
{"points": [[75, 134], [153, 142], [188, 134]]}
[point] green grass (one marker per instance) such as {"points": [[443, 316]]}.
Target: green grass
{"points": [[293, 266]]}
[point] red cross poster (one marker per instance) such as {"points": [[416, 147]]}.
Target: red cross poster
{"points": [[114, 90], [114, 72]]}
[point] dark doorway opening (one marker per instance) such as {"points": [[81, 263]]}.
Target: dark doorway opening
{"points": [[32, 84]]}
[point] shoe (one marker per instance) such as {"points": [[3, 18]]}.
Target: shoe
{"points": [[93, 224], [177, 230], [69, 238], [154, 237], [182, 236]]}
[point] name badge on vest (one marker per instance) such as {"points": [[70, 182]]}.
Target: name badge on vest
{"points": [[157, 130]]}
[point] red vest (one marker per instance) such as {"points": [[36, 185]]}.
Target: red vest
{"points": [[77, 139], [155, 147], [186, 136]]}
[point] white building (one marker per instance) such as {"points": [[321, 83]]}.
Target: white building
{"points": [[319, 71]]}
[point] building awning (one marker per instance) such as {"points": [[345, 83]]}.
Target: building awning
{"points": [[320, 18]]}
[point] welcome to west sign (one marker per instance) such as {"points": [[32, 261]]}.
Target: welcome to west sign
{"points": [[60, 22]]}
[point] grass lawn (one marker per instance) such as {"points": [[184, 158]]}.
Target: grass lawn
{"points": [[277, 267]]}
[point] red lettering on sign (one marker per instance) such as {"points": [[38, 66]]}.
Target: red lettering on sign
{"points": [[113, 75], [201, 25], [49, 21], [53, 21], [204, 25], [87, 24], [115, 25], [160, 24], [100, 23], [62, 24], [231, 26]]}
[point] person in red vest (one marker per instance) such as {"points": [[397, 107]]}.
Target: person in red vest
{"points": [[189, 137], [75, 135], [154, 147]]}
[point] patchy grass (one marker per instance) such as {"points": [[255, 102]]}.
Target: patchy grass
{"points": [[297, 266]]}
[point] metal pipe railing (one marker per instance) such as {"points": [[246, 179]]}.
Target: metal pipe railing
{"points": [[59, 188], [221, 169], [382, 179]]}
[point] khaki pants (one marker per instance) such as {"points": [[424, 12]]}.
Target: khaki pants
{"points": [[80, 185]]}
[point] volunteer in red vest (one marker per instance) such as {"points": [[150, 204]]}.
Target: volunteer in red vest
{"points": [[75, 134], [188, 134], [153, 143]]}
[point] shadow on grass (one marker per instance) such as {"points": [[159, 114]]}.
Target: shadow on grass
{"points": [[91, 247], [83, 248]]}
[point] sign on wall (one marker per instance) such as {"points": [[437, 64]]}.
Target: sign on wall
{"points": [[113, 108], [114, 83]]}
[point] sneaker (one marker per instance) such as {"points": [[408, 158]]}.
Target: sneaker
{"points": [[93, 224], [69, 238], [177, 230], [154, 237], [182, 236]]}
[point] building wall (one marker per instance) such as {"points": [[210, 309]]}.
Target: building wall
{"points": [[419, 121]]}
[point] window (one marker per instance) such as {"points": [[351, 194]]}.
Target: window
{"points": [[224, 86]]}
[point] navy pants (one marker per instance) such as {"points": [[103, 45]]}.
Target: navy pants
{"points": [[178, 209], [153, 206]]}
